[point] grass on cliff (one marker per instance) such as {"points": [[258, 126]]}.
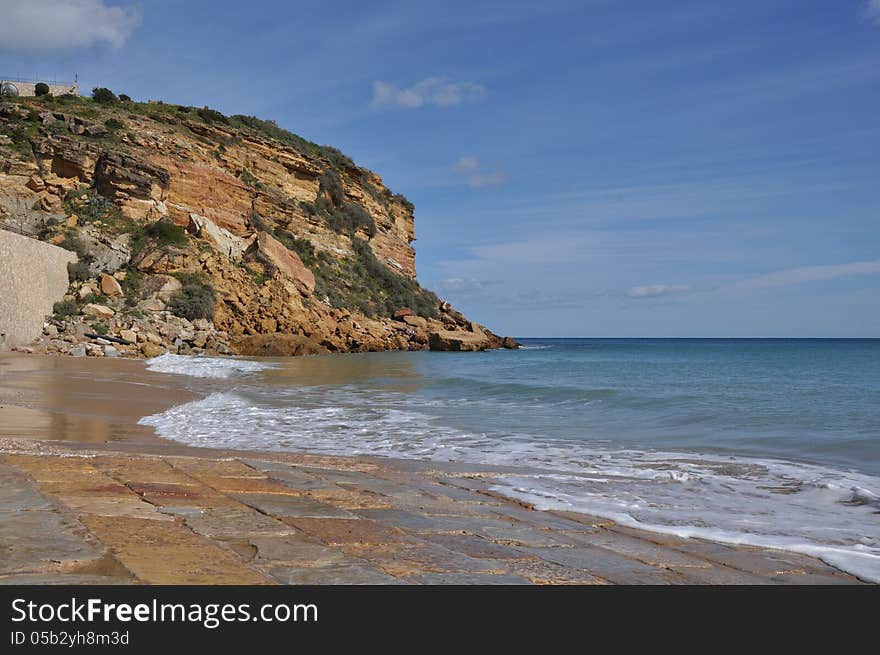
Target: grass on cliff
{"points": [[160, 234], [364, 284]]}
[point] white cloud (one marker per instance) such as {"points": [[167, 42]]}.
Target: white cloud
{"points": [[41, 26], [433, 91], [657, 290], [480, 181], [460, 285], [784, 278], [539, 250], [811, 274], [467, 164], [476, 178], [874, 10]]}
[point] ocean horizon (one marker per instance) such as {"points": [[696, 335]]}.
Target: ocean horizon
{"points": [[764, 442]]}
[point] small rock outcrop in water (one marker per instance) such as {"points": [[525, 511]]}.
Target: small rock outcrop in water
{"points": [[197, 232]]}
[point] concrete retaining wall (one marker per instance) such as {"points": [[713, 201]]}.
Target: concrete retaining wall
{"points": [[33, 277]]}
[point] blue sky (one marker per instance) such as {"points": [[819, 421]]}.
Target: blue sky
{"points": [[595, 168]]}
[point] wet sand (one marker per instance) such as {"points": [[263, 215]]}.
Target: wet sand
{"points": [[91, 400], [89, 496]]}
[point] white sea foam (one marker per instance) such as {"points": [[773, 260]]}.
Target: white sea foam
{"points": [[804, 508], [205, 367]]}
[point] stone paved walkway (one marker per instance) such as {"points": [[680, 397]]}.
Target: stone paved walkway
{"points": [[107, 517]]}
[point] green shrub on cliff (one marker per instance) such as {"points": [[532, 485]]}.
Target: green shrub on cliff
{"points": [[211, 115], [250, 179], [395, 291], [403, 200], [131, 286], [259, 223], [167, 233], [78, 271], [342, 217], [195, 300], [309, 208], [41, 89], [350, 218], [64, 308], [330, 191], [101, 94]]}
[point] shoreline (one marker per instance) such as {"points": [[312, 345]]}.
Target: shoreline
{"points": [[267, 517]]}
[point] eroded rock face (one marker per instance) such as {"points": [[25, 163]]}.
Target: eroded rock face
{"points": [[458, 340], [206, 190], [278, 345], [286, 261], [67, 157], [135, 184], [225, 241]]}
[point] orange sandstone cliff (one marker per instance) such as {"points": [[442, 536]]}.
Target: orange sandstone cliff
{"points": [[198, 232]]}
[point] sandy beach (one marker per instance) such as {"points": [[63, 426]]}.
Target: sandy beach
{"points": [[91, 497]]}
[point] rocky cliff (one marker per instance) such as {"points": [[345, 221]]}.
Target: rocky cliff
{"points": [[198, 232]]}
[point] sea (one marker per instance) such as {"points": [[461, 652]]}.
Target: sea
{"points": [[764, 442]]}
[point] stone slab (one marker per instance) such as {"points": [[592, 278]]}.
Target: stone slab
{"points": [[541, 572], [234, 522], [408, 559], [608, 565], [168, 553], [34, 540], [17, 493], [126, 506], [349, 531], [295, 550], [346, 574], [292, 506], [474, 546]]}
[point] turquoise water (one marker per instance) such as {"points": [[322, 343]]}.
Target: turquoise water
{"points": [[804, 399], [758, 441]]}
